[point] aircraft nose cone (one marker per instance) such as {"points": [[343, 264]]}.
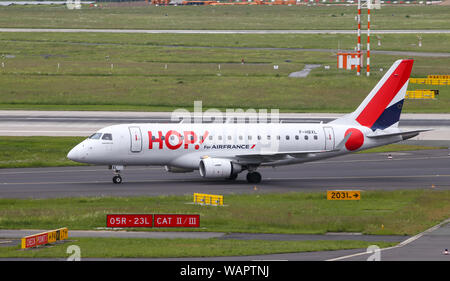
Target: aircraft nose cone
{"points": [[74, 154]]}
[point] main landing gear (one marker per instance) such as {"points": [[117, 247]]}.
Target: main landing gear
{"points": [[117, 179], [254, 177]]}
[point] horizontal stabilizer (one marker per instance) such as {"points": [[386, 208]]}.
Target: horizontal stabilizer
{"points": [[404, 134]]}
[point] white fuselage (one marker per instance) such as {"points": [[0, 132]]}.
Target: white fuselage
{"points": [[184, 145], [222, 150]]}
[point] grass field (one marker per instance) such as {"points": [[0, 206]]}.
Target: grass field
{"points": [[390, 42], [27, 152], [168, 248], [223, 17], [129, 72], [163, 72], [403, 212]]}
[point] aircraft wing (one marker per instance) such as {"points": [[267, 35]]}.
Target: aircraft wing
{"points": [[270, 157]]}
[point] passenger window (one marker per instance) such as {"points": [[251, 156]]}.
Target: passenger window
{"points": [[95, 136], [306, 137], [287, 137], [107, 137], [296, 137], [315, 137]]}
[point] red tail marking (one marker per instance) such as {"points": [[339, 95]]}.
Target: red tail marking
{"points": [[385, 94]]}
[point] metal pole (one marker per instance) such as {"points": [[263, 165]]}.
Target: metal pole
{"points": [[369, 4], [358, 48]]}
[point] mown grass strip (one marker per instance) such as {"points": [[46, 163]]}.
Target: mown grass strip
{"points": [[402, 212], [176, 248]]}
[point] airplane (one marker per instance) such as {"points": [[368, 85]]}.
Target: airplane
{"points": [[223, 150]]}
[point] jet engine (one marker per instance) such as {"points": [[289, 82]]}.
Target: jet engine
{"points": [[218, 168]]}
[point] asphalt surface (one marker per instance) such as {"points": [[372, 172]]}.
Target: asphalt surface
{"points": [[407, 170]]}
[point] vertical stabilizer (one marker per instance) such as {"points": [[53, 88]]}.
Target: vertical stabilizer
{"points": [[382, 107]]}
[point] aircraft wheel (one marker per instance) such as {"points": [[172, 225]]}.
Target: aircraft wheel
{"points": [[254, 177], [117, 179]]}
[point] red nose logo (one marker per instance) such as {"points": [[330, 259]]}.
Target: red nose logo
{"points": [[355, 141]]}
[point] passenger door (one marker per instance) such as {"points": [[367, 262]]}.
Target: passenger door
{"points": [[329, 138], [136, 139]]}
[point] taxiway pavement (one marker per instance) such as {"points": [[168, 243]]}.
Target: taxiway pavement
{"points": [[425, 169]]}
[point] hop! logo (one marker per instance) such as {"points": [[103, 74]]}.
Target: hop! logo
{"points": [[174, 140]]}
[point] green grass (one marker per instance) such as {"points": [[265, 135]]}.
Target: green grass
{"points": [[399, 147], [140, 80], [390, 42], [403, 212], [27, 152], [223, 17], [168, 248]]}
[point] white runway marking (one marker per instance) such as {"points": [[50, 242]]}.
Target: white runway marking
{"points": [[404, 243]]}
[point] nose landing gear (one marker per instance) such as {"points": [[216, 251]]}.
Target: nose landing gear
{"points": [[117, 179]]}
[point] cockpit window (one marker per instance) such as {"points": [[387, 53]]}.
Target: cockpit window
{"points": [[107, 137], [95, 136]]}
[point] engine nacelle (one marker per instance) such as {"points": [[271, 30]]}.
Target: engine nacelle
{"points": [[218, 168], [173, 169]]}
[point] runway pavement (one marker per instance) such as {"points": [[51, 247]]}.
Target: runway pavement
{"points": [[407, 170]]}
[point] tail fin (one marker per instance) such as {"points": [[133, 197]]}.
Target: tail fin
{"points": [[382, 107]]}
